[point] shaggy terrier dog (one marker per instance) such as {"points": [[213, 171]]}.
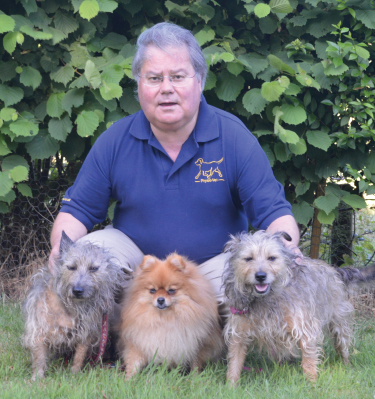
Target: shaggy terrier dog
{"points": [[283, 306], [64, 312], [169, 315]]}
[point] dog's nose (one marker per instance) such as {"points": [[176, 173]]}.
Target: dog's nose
{"points": [[161, 301], [260, 276], [78, 292]]}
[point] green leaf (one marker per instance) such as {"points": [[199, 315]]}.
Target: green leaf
{"points": [[319, 139], [107, 5], [254, 62], [302, 187], [54, 105], [36, 34], [73, 98], [29, 6], [87, 122], [280, 152], [7, 24], [3, 208], [10, 41], [6, 183], [327, 203], [12, 161], [253, 101], [281, 6], [228, 87], [60, 128], [7, 70], [293, 115], [262, 10], [128, 102], [92, 74], [335, 71], [298, 148], [30, 77], [287, 136], [112, 74], [89, 9], [303, 212], [205, 35], [235, 68], [9, 197], [10, 95], [110, 90], [210, 81], [42, 146], [362, 52], [326, 219], [204, 11], [24, 189], [227, 57], [7, 114], [73, 147], [367, 17], [276, 63], [19, 173], [272, 91], [23, 127], [292, 90], [63, 74], [4, 150], [268, 151], [65, 23], [355, 201]]}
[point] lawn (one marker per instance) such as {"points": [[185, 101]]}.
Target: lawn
{"points": [[265, 378]]}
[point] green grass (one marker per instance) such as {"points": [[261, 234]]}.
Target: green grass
{"points": [[335, 380]]}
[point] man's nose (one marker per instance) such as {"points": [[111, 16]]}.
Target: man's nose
{"points": [[166, 85]]}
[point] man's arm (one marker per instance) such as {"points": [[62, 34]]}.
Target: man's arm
{"points": [[288, 224], [72, 227]]}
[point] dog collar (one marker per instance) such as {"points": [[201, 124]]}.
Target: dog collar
{"points": [[237, 311]]}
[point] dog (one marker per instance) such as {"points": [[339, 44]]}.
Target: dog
{"points": [[169, 315], [64, 312], [283, 306], [207, 169]]}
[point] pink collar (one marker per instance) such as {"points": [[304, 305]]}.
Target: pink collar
{"points": [[237, 311]]}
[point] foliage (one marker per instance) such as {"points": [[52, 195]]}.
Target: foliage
{"points": [[297, 72]]}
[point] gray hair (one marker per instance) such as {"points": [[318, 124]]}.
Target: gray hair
{"points": [[165, 35]]}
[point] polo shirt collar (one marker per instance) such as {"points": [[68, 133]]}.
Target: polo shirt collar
{"points": [[206, 128]]}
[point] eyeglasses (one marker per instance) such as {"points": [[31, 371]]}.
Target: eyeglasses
{"points": [[176, 80]]}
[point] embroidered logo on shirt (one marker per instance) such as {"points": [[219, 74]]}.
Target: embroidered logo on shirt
{"points": [[208, 171], [66, 199]]}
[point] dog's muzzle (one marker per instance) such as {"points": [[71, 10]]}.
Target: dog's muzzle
{"points": [[261, 288], [78, 292], [160, 303]]}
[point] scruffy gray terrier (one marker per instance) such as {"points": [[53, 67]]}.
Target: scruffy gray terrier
{"points": [[283, 306], [64, 312]]}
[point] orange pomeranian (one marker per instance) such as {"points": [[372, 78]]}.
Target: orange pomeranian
{"points": [[169, 314]]}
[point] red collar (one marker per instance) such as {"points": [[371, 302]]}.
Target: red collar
{"points": [[237, 311]]}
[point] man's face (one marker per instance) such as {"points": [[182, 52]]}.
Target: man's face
{"points": [[169, 108]]}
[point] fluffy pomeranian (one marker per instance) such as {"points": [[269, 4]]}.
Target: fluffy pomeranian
{"points": [[169, 315]]}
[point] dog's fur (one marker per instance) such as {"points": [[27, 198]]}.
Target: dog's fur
{"points": [[287, 305], [169, 314], [63, 312]]}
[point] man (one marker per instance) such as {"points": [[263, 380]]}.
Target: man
{"points": [[186, 175]]}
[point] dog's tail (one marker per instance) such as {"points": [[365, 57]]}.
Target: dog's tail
{"points": [[351, 275]]}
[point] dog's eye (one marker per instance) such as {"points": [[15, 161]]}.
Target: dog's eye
{"points": [[272, 258], [93, 268], [248, 259], [71, 267], [171, 291], [152, 291]]}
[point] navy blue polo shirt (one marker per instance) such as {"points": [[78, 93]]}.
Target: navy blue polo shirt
{"points": [[220, 181]]}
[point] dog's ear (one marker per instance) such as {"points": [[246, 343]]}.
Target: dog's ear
{"points": [[65, 242], [283, 234], [232, 244], [177, 261], [148, 260]]}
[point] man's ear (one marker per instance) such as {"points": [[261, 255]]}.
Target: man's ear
{"points": [[65, 242]]}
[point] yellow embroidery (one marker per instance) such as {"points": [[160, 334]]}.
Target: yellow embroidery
{"points": [[66, 199], [207, 170]]}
